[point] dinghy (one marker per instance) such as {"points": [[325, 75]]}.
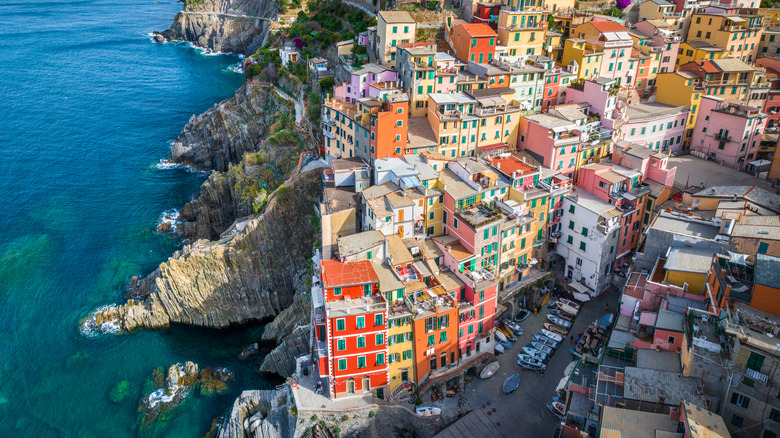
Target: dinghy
{"points": [[489, 370], [515, 327], [524, 313], [557, 408], [546, 349], [554, 336], [554, 328], [542, 339], [559, 321], [511, 383], [535, 354]]}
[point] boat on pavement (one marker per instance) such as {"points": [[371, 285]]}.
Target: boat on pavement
{"points": [[559, 321], [554, 328], [570, 303], [524, 313], [542, 339], [557, 408], [554, 336], [534, 353], [511, 383], [489, 370], [606, 321], [546, 349], [515, 327], [500, 336], [428, 411], [498, 348], [567, 308], [506, 332], [529, 362]]}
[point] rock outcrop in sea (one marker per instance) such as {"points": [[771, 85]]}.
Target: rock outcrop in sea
{"points": [[236, 26], [259, 414]]}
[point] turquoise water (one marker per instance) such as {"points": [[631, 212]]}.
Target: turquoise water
{"points": [[89, 106]]}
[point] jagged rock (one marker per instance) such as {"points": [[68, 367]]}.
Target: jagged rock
{"points": [[238, 26], [249, 351], [257, 414], [281, 360], [223, 134], [250, 274]]}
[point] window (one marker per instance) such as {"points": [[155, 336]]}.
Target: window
{"points": [[584, 231], [571, 225], [361, 342], [380, 359], [571, 209], [360, 322], [736, 420], [755, 361], [740, 400], [361, 361], [582, 246], [341, 344], [431, 341], [341, 324], [570, 240], [774, 415], [379, 320], [337, 292], [443, 336], [471, 329], [380, 339], [342, 364]]}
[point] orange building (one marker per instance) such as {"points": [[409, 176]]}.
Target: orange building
{"points": [[732, 278], [474, 42], [435, 329], [389, 124]]}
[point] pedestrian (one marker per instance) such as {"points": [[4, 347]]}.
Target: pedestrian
{"points": [[606, 307], [572, 340]]}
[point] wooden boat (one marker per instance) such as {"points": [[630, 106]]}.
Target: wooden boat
{"points": [[542, 339], [554, 336], [515, 327], [570, 303], [489, 370], [428, 411], [566, 308], [506, 332], [546, 349], [606, 321], [557, 408], [559, 321], [500, 336], [529, 362], [561, 314], [524, 313], [554, 328], [498, 348], [506, 344], [511, 383], [535, 354]]}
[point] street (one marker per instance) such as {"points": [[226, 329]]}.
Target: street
{"points": [[523, 413]]}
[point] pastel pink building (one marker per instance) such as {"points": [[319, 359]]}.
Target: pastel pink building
{"points": [[446, 79], [360, 81], [652, 164], [655, 125], [727, 132], [662, 39], [601, 95], [614, 38], [551, 140]]}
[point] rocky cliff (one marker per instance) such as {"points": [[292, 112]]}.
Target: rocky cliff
{"points": [[261, 414], [224, 134], [251, 273], [237, 26], [291, 333]]}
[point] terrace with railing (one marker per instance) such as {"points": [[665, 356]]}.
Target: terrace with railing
{"points": [[356, 306]]}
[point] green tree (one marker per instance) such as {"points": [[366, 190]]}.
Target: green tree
{"points": [[326, 84]]}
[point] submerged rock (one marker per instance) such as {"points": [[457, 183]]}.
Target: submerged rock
{"points": [[120, 391]]}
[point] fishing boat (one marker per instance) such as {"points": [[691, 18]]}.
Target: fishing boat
{"points": [[515, 327], [535, 353], [498, 348], [566, 308], [561, 314], [559, 321], [606, 321], [542, 339], [500, 336], [546, 349], [569, 303], [511, 383], [529, 362], [489, 370], [428, 411], [524, 313], [506, 332], [557, 408], [506, 344], [554, 336], [554, 328]]}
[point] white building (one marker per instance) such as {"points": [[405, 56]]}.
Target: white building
{"points": [[589, 239], [387, 209]]}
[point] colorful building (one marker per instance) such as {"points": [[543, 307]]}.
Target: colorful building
{"points": [[417, 71], [738, 34], [473, 42], [522, 31], [655, 125], [392, 29], [360, 81]]}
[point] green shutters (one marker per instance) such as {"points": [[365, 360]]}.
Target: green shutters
{"points": [[569, 240], [584, 231], [443, 336], [380, 359], [379, 320], [361, 342], [341, 345], [360, 322], [341, 324], [431, 341], [366, 289], [342, 364], [582, 246], [361, 361], [755, 361], [380, 339], [337, 292], [571, 209]]}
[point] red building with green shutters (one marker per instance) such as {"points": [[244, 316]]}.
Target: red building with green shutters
{"points": [[355, 332]]}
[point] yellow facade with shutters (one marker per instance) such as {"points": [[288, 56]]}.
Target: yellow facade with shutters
{"points": [[400, 352], [587, 56], [691, 51], [679, 89], [737, 35], [522, 31]]}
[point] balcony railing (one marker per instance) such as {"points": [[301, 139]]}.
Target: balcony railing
{"points": [[722, 137]]}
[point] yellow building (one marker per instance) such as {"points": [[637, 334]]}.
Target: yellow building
{"points": [[587, 56], [698, 51], [738, 34], [417, 71], [660, 10], [522, 31], [393, 28], [592, 152], [400, 351], [688, 268], [681, 89], [428, 164], [771, 16]]}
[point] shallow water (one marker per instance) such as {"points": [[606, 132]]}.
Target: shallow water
{"points": [[89, 106]]}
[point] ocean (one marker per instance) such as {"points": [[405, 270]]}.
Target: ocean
{"points": [[89, 107]]}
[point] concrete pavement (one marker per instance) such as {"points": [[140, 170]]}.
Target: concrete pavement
{"points": [[692, 171], [524, 413]]}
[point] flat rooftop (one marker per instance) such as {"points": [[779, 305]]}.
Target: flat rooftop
{"points": [[338, 199], [648, 385], [686, 227], [357, 243]]}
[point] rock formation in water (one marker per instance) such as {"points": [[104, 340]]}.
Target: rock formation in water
{"points": [[251, 273], [222, 135], [258, 414], [237, 26]]}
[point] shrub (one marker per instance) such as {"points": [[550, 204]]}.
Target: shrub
{"points": [[371, 414], [326, 84], [314, 417], [345, 418], [294, 411], [253, 70]]}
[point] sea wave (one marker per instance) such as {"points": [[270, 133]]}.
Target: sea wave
{"points": [[169, 222], [91, 329], [166, 165]]}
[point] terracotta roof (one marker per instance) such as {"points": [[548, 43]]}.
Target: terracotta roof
{"points": [[511, 164], [608, 26], [335, 273], [478, 30]]}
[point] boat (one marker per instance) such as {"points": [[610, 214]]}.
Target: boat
{"points": [[535, 354], [554, 328], [566, 308], [506, 344], [554, 336], [524, 313], [557, 408], [542, 339], [511, 383], [561, 314], [500, 336], [489, 370], [530, 363], [573, 351], [559, 321], [546, 349], [515, 327], [606, 321], [506, 332], [498, 348], [570, 303], [428, 411]]}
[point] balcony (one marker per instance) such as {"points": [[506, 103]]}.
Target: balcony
{"points": [[449, 115], [567, 138], [328, 134], [495, 110], [722, 137]]}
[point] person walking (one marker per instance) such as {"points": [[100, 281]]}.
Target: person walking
{"points": [[606, 307]]}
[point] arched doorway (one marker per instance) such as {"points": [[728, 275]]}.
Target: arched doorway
{"points": [[366, 384], [350, 386]]}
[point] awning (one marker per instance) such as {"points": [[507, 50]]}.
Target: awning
{"points": [[579, 287], [581, 297], [737, 19]]}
